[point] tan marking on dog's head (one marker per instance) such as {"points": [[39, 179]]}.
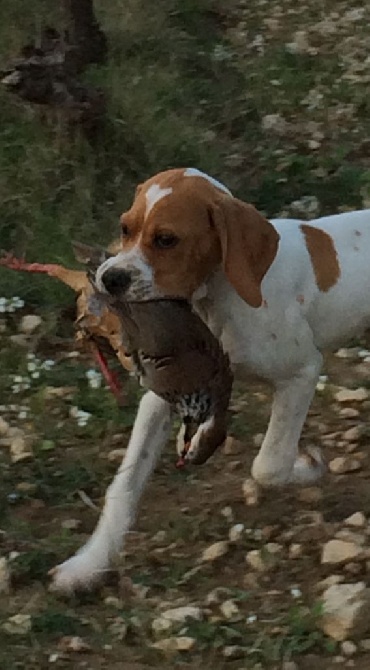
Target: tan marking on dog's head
{"points": [[323, 256], [195, 228]]}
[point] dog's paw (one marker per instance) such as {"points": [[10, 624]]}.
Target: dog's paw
{"points": [[78, 573], [308, 467]]}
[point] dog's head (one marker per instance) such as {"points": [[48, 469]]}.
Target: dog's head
{"points": [[182, 226]]}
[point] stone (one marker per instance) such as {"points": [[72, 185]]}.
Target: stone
{"points": [[343, 464], [356, 520], [116, 455], [295, 551], [4, 427], [353, 434], [336, 552], [233, 652], [20, 450], [251, 492], [161, 625], [348, 648], [264, 559], [71, 524], [182, 614], [310, 495], [174, 644], [329, 581], [73, 643], [230, 610], [29, 323], [233, 446], [236, 532], [4, 575], [346, 611], [349, 413], [351, 395], [18, 624], [215, 551], [216, 596], [289, 665]]}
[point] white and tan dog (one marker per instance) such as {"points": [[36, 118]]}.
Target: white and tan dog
{"points": [[276, 293]]}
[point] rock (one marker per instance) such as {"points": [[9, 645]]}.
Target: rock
{"points": [[251, 492], [20, 450], [215, 551], [227, 513], [337, 552], [29, 323], [73, 643], [233, 446], [216, 596], [353, 434], [351, 395], [349, 535], [265, 558], [71, 524], [233, 652], [310, 495], [180, 615], [349, 413], [295, 551], [116, 455], [356, 520], [258, 439], [230, 610], [289, 665], [329, 581], [174, 644], [346, 611], [343, 464], [18, 624], [4, 575], [161, 625], [236, 532], [4, 427], [29, 488]]}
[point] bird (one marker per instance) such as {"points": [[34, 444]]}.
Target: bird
{"points": [[176, 356], [163, 340]]}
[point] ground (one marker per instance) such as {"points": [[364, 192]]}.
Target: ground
{"points": [[270, 97], [50, 501]]}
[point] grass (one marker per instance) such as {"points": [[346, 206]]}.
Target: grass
{"points": [[216, 85]]}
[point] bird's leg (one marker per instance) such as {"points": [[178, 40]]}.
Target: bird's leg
{"points": [[109, 375]]}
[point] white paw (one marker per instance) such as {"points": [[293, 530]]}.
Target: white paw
{"points": [[79, 573], [308, 467]]}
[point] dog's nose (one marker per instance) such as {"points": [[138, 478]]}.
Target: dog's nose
{"points": [[116, 281]]}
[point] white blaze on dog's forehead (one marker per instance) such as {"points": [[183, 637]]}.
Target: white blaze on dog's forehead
{"points": [[193, 172], [154, 194]]}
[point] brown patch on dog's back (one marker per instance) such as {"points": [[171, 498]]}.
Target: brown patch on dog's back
{"points": [[323, 256]]}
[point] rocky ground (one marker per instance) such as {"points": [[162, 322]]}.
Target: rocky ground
{"points": [[215, 573]]}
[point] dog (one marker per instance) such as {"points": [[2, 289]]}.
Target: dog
{"points": [[276, 293]]}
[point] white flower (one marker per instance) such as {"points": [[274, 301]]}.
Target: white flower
{"points": [[252, 618], [295, 592], [48, 364]]}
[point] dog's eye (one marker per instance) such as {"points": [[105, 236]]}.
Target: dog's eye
{"points": [[125, 232], [165, 240]]}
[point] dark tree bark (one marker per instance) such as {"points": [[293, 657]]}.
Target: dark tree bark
{"points": [[47, 74]]}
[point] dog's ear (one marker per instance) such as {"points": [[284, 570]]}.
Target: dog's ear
{"points": [[88, 255], [248, 244]]}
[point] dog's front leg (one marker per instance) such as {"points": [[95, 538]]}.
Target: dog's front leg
{"points": [[150, 433], [279, 461]]}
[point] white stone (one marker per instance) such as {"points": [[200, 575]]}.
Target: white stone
{"points": [[351, 395], [338, 551], [348, 648], [230, 610], [356, 520], [346, 611], [251, 492], [353, 434], [182, 614], [18, 624], [236, 532], [20, 450], [29, 323], [343, 464], [349, 413], [215, 551], [173, 644]]}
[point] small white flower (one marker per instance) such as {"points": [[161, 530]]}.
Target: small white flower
{"points": [[252, 618], [31, 356], [31, 366], [48, 364], [35, 375], [295, 592], [23, 415]]}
